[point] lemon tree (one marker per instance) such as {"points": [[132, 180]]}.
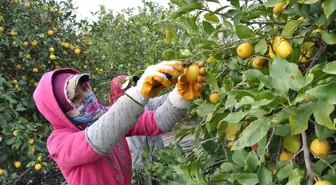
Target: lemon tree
{"points": [[270, 117], [35, 37]]}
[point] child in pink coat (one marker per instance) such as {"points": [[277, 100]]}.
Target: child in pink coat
{"points": [[88, 141]]}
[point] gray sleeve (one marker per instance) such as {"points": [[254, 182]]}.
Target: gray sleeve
{"points": [[166, 116], [154, 103], [107, 131]]}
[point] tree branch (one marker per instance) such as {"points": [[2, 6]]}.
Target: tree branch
{"points": [[310, 171], [22, 175], [263, 22], [316, 156]]}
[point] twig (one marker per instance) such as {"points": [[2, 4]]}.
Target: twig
{"points": [[310, 171], [263, 22], [279, 149], [271, 137], [22, 174], [318, 54], [316, 156]]}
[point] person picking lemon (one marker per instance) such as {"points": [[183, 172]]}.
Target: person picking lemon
{"points": [[88, 141]]}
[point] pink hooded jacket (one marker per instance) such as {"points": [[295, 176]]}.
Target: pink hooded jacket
{"points": [[67, 145]]}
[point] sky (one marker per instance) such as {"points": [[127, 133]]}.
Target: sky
{"points": [[87, 6]]}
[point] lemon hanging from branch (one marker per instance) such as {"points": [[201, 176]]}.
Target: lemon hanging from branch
{"points": [[169, 33]]}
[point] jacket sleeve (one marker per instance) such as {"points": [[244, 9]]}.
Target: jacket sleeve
{"points": [[146, 126], [69, 148], [155, 103]]}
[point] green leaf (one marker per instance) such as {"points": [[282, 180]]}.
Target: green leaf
{"points": [[330, 68], [239, 157], [283, 130], [322, 113], [299, 117], [248, 179], [228, 167], [329, 38], [308, 1], [260, 103], [253, 133], [204, 109], [264, 175], [211, 79], [323, 132], [235, 3], [290, 27], [214, 1], [208, 28], [320, 166], [329, 7], [288, 74], [272, 3], [187, 7], [251, 162], [211, 17], [235, 117], [246, 100], [325, 92], [285, 171], [179, 3], [261, 47], [292, 143], [244, 32], [230, 101], [251, 74], [296, 177]]}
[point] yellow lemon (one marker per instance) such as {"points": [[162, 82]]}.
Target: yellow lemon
{"points": [[52, 10], [323, 183], [77, 51], [282, 47], [72, 47], [51, 50], [78, 41], [26, 44], [305, 57], [31, 141], [230, 144], [211, 59], [1, 171], [285, 156], [214, 98], [66, 45], [35, 70], [17, 164], [38, 167], [94, 89], [27, 5], [13, 33], [320, 148], [2, 29], [52, 57], [15, 132], [258, 63], [33, 150], [50, 32], [192, 72], [35, 84], [245, 50], [279, 8], [34, 43], [90, 44], [24, 78], [39, 158]]}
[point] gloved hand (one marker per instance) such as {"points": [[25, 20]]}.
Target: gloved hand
{"points": [[190, 90], [155, 77], [185, 90]]}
